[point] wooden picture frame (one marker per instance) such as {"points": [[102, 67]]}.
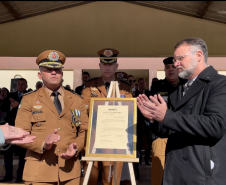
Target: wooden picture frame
{"points": [[126, 104]]}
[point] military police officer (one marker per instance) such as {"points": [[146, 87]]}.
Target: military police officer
{"points": [[98, 87]]}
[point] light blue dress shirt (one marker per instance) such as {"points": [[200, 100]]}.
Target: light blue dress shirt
{"points": [[2, 139]]}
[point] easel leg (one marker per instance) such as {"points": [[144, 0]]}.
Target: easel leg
{"points": [[88, 171], [115, 173], [133, 181]]}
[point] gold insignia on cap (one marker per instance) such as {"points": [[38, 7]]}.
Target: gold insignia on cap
{"points": [[120, 75], [53, 56], [108, 53]]}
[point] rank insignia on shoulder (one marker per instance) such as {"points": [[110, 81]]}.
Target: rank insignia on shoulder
{"points": [[75, 117], [29, 93], [78, 95]]}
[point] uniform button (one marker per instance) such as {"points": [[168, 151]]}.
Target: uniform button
{"points": [[59, 128], [59, 118], [189, 107], [39, 124], [185, 158], [37, 118], [58, 150]]}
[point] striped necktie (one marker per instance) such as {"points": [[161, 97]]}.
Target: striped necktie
{"points": [[186, 86]]}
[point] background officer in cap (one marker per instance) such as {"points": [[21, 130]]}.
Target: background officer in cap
{"points": [[54, 115], [164, 88], [98, 87]]}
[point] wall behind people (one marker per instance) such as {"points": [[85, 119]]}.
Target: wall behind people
{"points": [[136, 31], [30, 76]]}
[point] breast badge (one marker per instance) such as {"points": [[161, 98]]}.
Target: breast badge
{"points": [[75, 117], [94, 92], [37, 106]]}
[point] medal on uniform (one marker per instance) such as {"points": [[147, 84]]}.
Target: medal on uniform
{"points": [[93, 92], [75, 117], [37, 106]]}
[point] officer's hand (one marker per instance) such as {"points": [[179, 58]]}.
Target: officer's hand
{"points": [[71, 151], [14, 103], [24, 140], [51, 138], [144, 110]]}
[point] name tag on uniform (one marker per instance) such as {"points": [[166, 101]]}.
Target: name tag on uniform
{"points": [[36, 112]]}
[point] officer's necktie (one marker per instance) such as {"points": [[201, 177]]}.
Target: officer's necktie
{"points": [[107, 84], [19, 96], [56, 102], [186, 86]]}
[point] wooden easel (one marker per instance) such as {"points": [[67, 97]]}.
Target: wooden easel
{"points": [[113, 92]]}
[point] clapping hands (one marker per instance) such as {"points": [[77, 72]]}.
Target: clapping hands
{"points": [[154, 109]]}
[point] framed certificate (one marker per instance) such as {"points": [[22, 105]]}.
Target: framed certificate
{"points": [[112, 128]]}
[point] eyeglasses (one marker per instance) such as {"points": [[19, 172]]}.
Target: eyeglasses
{"points": [[130, 81], [180, 58]]}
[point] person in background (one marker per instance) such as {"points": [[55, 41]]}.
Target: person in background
{"points": [[30, 90], [67, 87], [132, 80], [85, 77], [15, 99], [4, 105], [38, 85], [98, 88], [153, 80]]}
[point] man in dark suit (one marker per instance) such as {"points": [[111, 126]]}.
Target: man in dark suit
{"points": [[15, 99], [195, 120], [85, 77], [163, 87]]}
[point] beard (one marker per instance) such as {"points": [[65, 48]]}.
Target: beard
{"points": [[186, 73]]}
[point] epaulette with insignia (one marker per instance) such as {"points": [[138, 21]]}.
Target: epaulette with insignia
{"points": [[29, 92], [91, 79], [125, 82], [78, 95]]}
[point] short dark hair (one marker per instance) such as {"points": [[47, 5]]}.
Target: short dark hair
{"points": [[22, 79], [155, 79], [85, 73], [196, 42], [141, 79]]}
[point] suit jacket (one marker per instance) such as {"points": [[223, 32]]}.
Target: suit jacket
{"points": [[79, 89], [11, 115], [195, 125], [39, 116], [142, 140]]}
